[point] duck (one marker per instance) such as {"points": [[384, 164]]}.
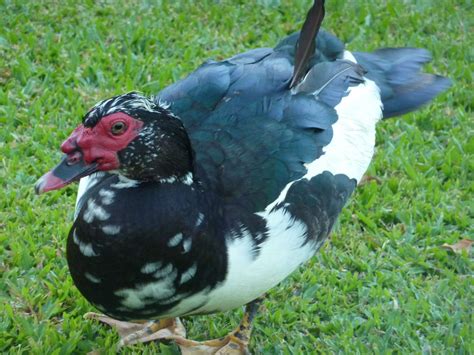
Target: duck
{"points": [[205, 196]]}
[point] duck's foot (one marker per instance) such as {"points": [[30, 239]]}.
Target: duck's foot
{"points": [[133, 333], [171, 329], [235, 343]]}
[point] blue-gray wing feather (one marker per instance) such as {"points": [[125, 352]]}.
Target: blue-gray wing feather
{"points": [[250, 133]]}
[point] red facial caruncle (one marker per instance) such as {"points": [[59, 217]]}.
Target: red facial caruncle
{"points": [[90, 149], [101, 143]]}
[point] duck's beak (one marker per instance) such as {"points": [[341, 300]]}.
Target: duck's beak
{"points": [[71, 168]]}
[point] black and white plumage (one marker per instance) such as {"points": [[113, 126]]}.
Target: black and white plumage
{"points": [[232, 179]]}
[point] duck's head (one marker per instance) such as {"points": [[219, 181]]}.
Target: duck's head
{"points": [[128, 134]]}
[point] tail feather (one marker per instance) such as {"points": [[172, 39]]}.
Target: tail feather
{"points": [[397, 72], [306, 42]]}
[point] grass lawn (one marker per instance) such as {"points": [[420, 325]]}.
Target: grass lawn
{"points": [[382, 284]]}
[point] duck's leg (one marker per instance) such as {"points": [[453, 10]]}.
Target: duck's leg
{"points": [[132, 333], [236, 342]]}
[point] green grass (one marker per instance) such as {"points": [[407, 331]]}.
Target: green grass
{"points": [[381, 285]]}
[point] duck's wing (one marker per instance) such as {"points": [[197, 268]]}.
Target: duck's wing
{"points": [[251, 134], [398, 74]]}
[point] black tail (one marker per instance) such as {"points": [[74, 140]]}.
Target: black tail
{"points": [[306, 42], [397, 72]]}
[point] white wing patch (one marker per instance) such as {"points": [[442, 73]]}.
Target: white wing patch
{"points": [[352, 146], [349, 56]]}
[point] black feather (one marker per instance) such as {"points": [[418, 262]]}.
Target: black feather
{"points": [[306, 42]]}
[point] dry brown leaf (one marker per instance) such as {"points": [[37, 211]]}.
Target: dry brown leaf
{"points": [[368, 178], [464, 244]]}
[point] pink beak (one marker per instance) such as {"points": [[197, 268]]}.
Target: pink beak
{"points": [[71, 168]]}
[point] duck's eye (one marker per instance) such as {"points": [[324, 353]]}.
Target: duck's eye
{"points": [[118, 128]]}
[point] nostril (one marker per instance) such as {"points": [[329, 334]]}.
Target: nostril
{"points": [[74, 158]]}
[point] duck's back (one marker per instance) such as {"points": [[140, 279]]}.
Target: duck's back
{"points": [[251, 135]]}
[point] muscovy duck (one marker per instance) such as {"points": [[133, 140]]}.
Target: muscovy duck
{"points": [[204, 197]]}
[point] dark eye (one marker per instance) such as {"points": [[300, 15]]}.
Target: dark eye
{"points": [[118, 128]]}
